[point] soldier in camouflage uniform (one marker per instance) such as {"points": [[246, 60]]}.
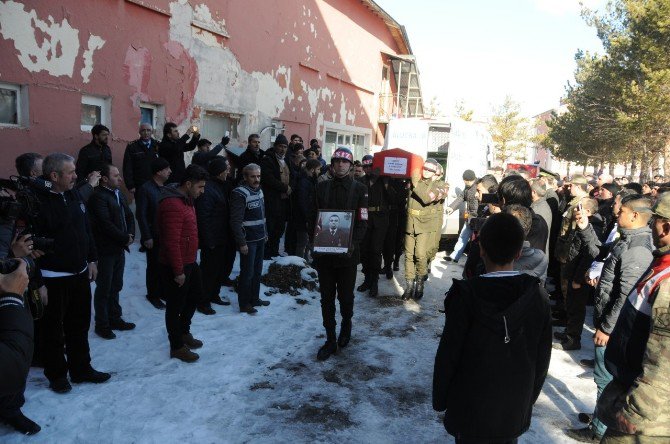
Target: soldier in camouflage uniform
{"points": [[635, 406], [441, 188], [420, 228]]}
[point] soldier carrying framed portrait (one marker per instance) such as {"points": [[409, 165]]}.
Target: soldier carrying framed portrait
{"points": [[333, 233]]}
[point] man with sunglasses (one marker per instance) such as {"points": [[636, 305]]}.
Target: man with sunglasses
{"points": [[419, 230]]}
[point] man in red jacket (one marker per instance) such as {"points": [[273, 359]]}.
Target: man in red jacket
{"points": [[178, 232]]}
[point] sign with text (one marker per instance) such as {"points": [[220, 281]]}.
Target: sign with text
{"points": [[395, 165]]}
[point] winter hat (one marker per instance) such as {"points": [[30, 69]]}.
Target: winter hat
{"points": [[469, 175], [159, 164], [217, 166], [342, 152], [281, 140], [430, 165], [367, 160]]}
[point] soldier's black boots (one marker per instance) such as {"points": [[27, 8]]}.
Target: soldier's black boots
{"points": [[345, 334], [388, 272], [418, 293], [374, 288], [410, 287], [365, 286], [329, 348]]}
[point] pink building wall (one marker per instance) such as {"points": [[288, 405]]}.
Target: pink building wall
{"points": [[311, 65]]}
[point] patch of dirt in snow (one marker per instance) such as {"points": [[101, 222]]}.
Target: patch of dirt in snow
{"points": [[328, 417], [407, 396], [390, 301], [291, 367], [262, 385]]}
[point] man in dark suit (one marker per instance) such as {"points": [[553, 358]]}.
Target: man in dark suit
{"points": [[113, 230], [333, 236], [137, 159]]}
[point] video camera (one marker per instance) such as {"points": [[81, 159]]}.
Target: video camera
{"points": [[25, 207], [476, 223]]}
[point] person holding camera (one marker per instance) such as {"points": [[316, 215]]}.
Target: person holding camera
{"points": [[67, 273], [114, 231], [173, 147], [16, 349]]}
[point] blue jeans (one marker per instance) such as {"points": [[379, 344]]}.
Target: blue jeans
{"points": [[463, 239], [602, 377], [251, 267]]}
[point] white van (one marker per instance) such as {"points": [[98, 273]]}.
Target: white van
{"points": [[458, 145]]}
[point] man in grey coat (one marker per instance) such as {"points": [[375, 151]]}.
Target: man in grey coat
{"points": [[628, 259], [540, 205]]}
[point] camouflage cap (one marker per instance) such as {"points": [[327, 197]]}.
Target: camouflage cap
{"points": [[662, 206], [578, 179]]}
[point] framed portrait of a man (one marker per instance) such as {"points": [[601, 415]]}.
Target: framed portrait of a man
{"points": [[333, 233]]}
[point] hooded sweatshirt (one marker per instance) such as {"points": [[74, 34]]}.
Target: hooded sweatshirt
{"points": [[493, 356]]}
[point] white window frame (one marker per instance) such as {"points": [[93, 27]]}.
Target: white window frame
{"points": [[159, 115], [21, 105], [153, 108], [105, 110], [346, 131]]}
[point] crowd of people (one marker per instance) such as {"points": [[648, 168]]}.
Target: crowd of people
{"points": [[527, 240]]}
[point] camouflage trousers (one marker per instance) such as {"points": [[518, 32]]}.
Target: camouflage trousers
{"points": [[614, 437]]}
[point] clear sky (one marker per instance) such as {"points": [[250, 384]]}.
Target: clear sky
{"points": [[479, 51]]}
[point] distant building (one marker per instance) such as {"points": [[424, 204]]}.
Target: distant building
{"points": [[336, 71], [540, 154]]}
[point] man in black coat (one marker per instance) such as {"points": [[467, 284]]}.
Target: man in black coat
{"points": [[206, 153], [94, 155], [215, 236], [303, 206], [113, 230], [16, 350], [146, 206], [137, 159], [276, 180], [253, 154], [67, 274], [173, 147], [337, 272], [494, 351]]}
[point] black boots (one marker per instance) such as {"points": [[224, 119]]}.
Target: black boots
{"points": [[21, 423], [418, 292], [329, 348], [374, 288], [410, 287], [388, 272], [345, 334], [365, 286]]}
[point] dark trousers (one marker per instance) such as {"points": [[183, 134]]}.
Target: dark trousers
{"points": [[180, 302], [302, 243], [10, 405], [601, 377], [390, 239], [108, 285], [251, 267], [213, 262], [575, 306], [276, 223], [336, 283], [291, 239], [373, 243], [65, 325], [153, 277]]}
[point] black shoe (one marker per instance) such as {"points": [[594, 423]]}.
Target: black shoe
{"points": [[206, 309], [410, 287], [585, 418], [248, 310], [121, 325], [425, 277], [448, 259], [105, 332], [218, 300], [60, 385], [569, 344], [156, 302], [92, 376], [365, 286], [585, 434], [327, 350], [22, 424], [418, 292], [388, 272], [374, 287], [560, 335], [345, 334], [587, 363], [261, 303]]}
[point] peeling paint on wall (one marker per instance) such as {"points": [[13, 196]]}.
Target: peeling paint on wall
{"points": [[58, 44], [94, 43], [137, 71]]}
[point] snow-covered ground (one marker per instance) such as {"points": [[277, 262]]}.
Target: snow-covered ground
{"points": [[258, 379]]}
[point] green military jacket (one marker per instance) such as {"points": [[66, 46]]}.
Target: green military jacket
{"points": [[421, 212]]}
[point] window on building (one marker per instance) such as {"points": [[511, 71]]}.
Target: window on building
{"points": [[152, 114], [13, 105], [94, 110], [216, 125], [356, 142]]}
